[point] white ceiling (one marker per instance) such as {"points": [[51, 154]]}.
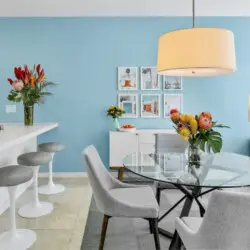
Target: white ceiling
{"points": [[21, 8]]}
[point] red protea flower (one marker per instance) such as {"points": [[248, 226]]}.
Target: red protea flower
{"points": [[207, 114], [205, 122]]}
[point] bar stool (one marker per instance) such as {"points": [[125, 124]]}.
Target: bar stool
{"points": [[51, 188], [35, 208], [15, 239]]}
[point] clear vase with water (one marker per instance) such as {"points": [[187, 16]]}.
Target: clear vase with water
{"points": [[116, 124], [193, 156]]}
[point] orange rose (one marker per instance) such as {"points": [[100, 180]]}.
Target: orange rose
{"points": [[175, 116]]}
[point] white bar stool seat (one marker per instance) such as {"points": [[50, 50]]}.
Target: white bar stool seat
{"points": [[15, 239], [51, 187], [36, 208]]}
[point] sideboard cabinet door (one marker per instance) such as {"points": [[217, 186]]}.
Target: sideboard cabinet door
{"points": [[121, 144]]}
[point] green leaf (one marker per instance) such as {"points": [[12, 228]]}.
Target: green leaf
{"points": [[214, 133], [202, 144]]}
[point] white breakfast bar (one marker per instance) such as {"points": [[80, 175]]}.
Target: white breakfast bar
{"points": [[17, 139]]}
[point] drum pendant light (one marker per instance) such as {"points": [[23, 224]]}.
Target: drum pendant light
{"points": [[196, 52]]}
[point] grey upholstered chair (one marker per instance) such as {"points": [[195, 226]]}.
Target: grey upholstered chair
{"points": [[167, 143], [225, 226], [116, 199]]}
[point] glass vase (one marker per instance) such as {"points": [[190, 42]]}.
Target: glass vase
{"points": [[116, 124], [193, 156], [28, 115]]}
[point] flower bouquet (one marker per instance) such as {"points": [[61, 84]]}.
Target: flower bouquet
{"points": [[199, 131], [29, 87], [115, 113]]}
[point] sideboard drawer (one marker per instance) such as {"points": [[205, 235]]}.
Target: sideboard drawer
{"points": [[147, 148], [146, 138]]}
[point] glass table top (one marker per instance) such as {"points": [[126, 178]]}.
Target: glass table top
{"points": [[225, 170]]}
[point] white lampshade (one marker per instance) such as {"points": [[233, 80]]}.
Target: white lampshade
{"points": [[197, 52]]}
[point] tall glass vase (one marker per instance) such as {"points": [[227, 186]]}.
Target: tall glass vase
{"points": [[116, 124], [28, 115], [194, 156]]}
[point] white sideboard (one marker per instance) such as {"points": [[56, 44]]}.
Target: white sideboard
{"points": [[123, 143]]}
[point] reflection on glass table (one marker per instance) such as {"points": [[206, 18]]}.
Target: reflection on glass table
{"points": [[222, 170], [217, 170]]}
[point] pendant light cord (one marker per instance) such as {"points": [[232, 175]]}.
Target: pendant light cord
{"points": [[193, 13]]}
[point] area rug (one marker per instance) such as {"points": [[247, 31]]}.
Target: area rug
{"points": [[132, 234]]}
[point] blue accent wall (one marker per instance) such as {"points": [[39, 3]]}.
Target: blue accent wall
{"points": [[82, 55]]}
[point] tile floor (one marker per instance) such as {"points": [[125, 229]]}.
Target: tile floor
{"points": [[62, 229]]}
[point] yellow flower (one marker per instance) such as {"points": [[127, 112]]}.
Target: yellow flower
{"points": [[119, 108], [186, 118], [184, 133], [111, 107], [194, 126]]}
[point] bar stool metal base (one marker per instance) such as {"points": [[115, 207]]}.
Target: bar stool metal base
{"points": [[33, 211], [21, 240], [51, 189]]}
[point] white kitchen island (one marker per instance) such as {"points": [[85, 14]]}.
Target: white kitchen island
{"points": [[17, 139]]}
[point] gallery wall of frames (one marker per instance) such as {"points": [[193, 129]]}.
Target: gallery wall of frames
{"points": [[143, 92]]}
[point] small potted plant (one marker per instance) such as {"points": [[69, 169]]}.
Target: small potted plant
{"points": [[29, 87], [199, 131], [115, 113]]}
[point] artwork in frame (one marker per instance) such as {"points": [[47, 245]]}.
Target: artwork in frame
{"points": [[172, 101], [129, 102], [150, 105], [127, 78], [150, 79], [172, 82]]}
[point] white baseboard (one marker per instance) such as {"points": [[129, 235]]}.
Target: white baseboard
{"points": [[66, 174]]}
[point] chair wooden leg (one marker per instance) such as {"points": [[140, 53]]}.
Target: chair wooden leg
{"points": [[156, 233], [104, 230], [158, 195], [121, 173], [150, 227]]}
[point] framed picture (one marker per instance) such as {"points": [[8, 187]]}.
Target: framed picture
{"points": [[172, 83], [127, 78], [129, 102], [172, 101], [150, 105], [150, 79]]}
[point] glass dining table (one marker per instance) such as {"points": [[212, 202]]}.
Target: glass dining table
{"points": [[216, 171]]}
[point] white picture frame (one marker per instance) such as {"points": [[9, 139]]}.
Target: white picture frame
{"points": [[127, 78], [150, 79], [150, 105], [129, 102], [172, 101], [172, 83]]}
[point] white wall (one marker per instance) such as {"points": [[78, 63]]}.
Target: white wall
{"points": [[123, 8]]}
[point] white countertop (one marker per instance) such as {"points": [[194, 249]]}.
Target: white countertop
{"points": [[16, 132]]}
